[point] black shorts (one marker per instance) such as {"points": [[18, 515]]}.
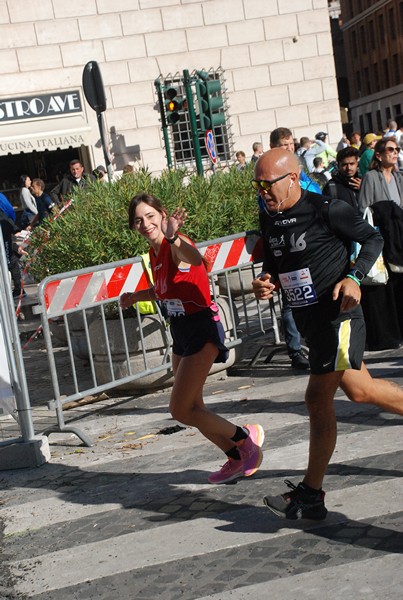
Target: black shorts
{"points": [[336, 340], [191, 332]]}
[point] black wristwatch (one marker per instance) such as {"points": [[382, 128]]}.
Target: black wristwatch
{"points": [[357, 274], [173, 239]]}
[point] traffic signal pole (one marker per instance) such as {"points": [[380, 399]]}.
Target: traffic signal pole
{"points": [[193, 122], [95, 95], [158, 87]]}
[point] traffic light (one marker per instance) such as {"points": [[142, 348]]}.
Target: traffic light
{"points": [[209, 97], [174, 104]]}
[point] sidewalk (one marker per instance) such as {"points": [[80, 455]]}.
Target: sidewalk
{"points": [[134, 517]]}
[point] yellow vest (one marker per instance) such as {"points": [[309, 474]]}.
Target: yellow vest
{"points": [[147, 307]]}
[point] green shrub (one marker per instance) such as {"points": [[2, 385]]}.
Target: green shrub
{"points": [[95, 229]]}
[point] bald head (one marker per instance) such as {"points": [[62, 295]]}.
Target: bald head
{"points": [[279, 160], [278, 170]]}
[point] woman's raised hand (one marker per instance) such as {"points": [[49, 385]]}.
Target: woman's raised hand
{"points": [[171, 225]]}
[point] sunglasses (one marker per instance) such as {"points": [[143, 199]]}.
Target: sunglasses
{"points": [[266, 184], [392, 149]]}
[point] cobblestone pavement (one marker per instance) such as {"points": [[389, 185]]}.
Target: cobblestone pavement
{"points": [[133, 516]]}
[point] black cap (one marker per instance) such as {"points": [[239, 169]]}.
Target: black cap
{"points": [[322, 135]]}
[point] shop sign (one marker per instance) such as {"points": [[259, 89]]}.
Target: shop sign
{"points": [[40, 106], [42, 143]]}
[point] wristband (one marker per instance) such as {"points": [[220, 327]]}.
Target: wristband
{"points": [[357, 281], [173, 239]]}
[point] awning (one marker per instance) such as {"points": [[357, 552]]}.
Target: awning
{"points": [[44, 134]]}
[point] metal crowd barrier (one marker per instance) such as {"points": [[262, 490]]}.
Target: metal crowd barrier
{"points": [[19, 446], [81, 301]]}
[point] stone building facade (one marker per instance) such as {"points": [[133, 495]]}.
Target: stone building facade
{"points": [[373, 39], [276, 58]]}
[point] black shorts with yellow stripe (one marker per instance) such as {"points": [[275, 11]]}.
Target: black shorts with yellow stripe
{"points": [[336, 340]]}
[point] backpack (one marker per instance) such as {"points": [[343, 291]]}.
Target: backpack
{"points": [[302, 161], [332, 189], [319, 178]]}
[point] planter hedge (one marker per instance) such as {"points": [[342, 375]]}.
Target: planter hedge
{"points": [[95, 229]]}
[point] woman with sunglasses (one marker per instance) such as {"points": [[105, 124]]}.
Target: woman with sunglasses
{"points": [[182, 285], [382, 190], [383, 180]]}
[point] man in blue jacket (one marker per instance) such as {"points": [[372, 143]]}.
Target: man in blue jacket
{"points": [[8, 228], [283, 138]]}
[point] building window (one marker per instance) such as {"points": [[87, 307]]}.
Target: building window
{"points": [[367, 81], [385, 68], [397, 109], [363, 40], [379, 120], [388, 114], [401, 17], [358, 83], [396, 69], [381, 27], [392, 23], [376, 78], [372, 39], [354, 42], [369, 122], [362, 128]]}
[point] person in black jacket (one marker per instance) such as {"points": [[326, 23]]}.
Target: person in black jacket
{"points": [[306, 242], [76, 178], [345, 182], [383, 184], [377, 301]]}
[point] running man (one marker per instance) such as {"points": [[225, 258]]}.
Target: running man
{"points": [[307, 248]]}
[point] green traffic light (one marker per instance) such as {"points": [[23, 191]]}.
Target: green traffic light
{"points": [[210, 101], [171, 93], [174, 104]]}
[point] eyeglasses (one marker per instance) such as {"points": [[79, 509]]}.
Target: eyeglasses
{"points": [[392, 149], [266, 184]]}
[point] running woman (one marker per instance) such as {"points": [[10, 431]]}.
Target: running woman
{"points": [[182, 285]]}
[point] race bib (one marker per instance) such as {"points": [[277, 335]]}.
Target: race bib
{"points": [[174, 308], [298, 287]]}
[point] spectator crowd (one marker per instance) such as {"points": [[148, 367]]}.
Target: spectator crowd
{"points": [[366, 171]]}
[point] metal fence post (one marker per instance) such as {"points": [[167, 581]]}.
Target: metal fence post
{"points": [[33, 451], [193, 122]]}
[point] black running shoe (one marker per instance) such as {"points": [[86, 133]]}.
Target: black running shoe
{"points": [[298, 504], [299, 361]]}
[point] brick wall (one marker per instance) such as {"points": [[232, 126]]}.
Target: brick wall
{"points": [[276, 54]]}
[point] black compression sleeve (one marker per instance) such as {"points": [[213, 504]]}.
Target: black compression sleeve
{"points": [[348, 225]]}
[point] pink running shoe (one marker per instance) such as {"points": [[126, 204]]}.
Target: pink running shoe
{"points": [[232, 469], [249, 449]]}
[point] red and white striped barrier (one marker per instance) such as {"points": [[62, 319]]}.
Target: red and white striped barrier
{"points": [[84, 290], [232, 253]]}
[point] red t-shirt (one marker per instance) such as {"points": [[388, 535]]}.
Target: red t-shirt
{"points": [[184, 291]]}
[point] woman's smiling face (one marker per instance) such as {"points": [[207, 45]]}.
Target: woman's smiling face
{"points": [[147, 222]]}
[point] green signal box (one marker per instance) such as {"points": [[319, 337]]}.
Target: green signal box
{"points": [[209, 97]]}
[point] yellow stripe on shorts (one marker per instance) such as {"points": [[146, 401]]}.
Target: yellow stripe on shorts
{"points": [[343, 358]]}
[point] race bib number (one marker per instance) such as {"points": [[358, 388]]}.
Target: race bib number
{"points": [[174, 308], [298, 287]]}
